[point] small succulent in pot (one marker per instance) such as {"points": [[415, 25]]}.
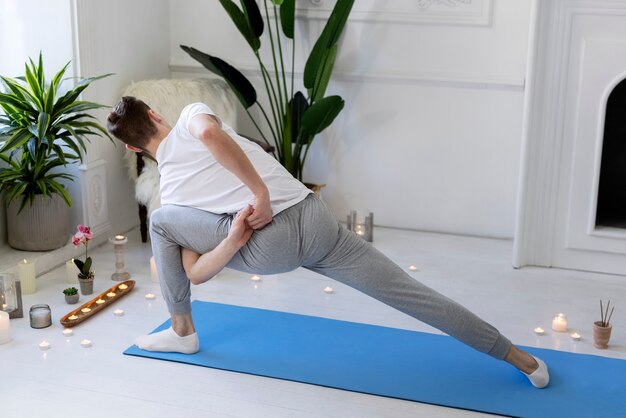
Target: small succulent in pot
{"points": [[71, 295]]}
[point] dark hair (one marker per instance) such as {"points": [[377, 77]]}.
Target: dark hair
{"points": [[130, 123]]}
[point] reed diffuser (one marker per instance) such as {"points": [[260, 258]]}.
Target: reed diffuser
{"points": [[602, 328]]}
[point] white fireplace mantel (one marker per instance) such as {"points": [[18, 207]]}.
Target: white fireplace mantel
{"points": [[577, 55]]}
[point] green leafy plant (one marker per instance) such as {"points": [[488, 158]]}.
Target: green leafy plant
{"points": [[70, 291], [295, 118], [44, 130]]}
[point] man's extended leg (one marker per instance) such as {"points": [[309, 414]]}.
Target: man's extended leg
{"points": [[347, 258]]}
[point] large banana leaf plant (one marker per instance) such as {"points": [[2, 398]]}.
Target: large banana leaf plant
{"points": [[294, 118], [43, 131]]}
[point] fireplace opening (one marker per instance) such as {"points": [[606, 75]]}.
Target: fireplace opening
{"points": [[611, 209]]}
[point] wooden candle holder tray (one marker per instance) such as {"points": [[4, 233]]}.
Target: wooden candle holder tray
{"points": [[95, 307]]}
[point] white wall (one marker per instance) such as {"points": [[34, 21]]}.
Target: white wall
{"points": [[430, 135], [18, 42], [131, 40]]}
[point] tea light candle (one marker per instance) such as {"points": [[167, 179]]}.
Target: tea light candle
{"points": [[150, 296], [71, 272], [328, 289], [413, 268], [118, 312], [26, 273], [154, 276], [72, 317], [85, 343], [120, 238], [575, 336], [111, 295], [85, 310], [122, 287], [44, 345], [559, 323], [255, 278], [5, 328], [100, 301], [539, 331], [68, 332]]}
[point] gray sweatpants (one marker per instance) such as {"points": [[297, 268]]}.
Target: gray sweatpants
{"points": [[307, 235]]}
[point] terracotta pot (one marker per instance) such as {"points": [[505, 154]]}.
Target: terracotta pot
{"points": [[601, 335]]}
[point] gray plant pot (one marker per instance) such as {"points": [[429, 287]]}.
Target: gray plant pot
{"points": [[72, 299], [42, 226], [86, 285]]}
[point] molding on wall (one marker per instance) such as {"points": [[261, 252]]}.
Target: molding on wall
{"points": [[94, 194], [437, 12], [420, 78]]}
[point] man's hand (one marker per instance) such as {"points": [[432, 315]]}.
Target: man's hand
{"points": [[240, 232], [262, 214]]}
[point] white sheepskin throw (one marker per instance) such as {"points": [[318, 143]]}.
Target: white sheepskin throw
{"points": [[168, 97]]}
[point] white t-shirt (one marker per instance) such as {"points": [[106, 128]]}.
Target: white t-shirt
{"points": [[191, 176]]}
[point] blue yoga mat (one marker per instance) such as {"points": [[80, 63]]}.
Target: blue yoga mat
{"points": [[397, 363]]}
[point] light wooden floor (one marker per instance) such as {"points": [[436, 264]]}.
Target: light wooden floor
{"points": [[70, 381]]}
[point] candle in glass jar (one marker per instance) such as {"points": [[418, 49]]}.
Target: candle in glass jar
{"points": [[26, 274], [559, 323], [40, 316]]}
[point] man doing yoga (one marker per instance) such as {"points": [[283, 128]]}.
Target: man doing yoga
{"points": [[225, 198]]}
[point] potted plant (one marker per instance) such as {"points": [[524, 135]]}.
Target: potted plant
{"points": [[295, 118], [85, 276], [602, 328], [45, 131], [71, 295]]}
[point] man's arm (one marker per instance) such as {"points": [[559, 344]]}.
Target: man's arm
{"points": [[230, 155], [201, 268]]}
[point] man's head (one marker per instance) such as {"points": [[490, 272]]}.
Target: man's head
{"points": [[133, 122]]}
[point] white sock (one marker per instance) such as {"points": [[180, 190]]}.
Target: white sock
{"points": [[168, 341], [540, 377]]}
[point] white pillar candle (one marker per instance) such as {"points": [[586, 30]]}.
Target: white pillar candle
{"points": [[71, 272], [559, 323], [154, 276], [26, 273], [5, 328]]}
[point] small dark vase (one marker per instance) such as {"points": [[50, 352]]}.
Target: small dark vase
{"points": [[86, 283]]}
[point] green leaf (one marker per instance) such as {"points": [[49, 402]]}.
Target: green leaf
{"points": [[240, 85], [240, 21], [287, 17], [329, 37], [79, 263], [42, 124], [18, 139], [324, 73], [253, 16], [87, 266], [298, 106], [321, 114]]}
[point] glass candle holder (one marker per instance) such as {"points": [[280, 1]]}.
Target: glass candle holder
{"points": [[40, 316], [559, 323]]}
